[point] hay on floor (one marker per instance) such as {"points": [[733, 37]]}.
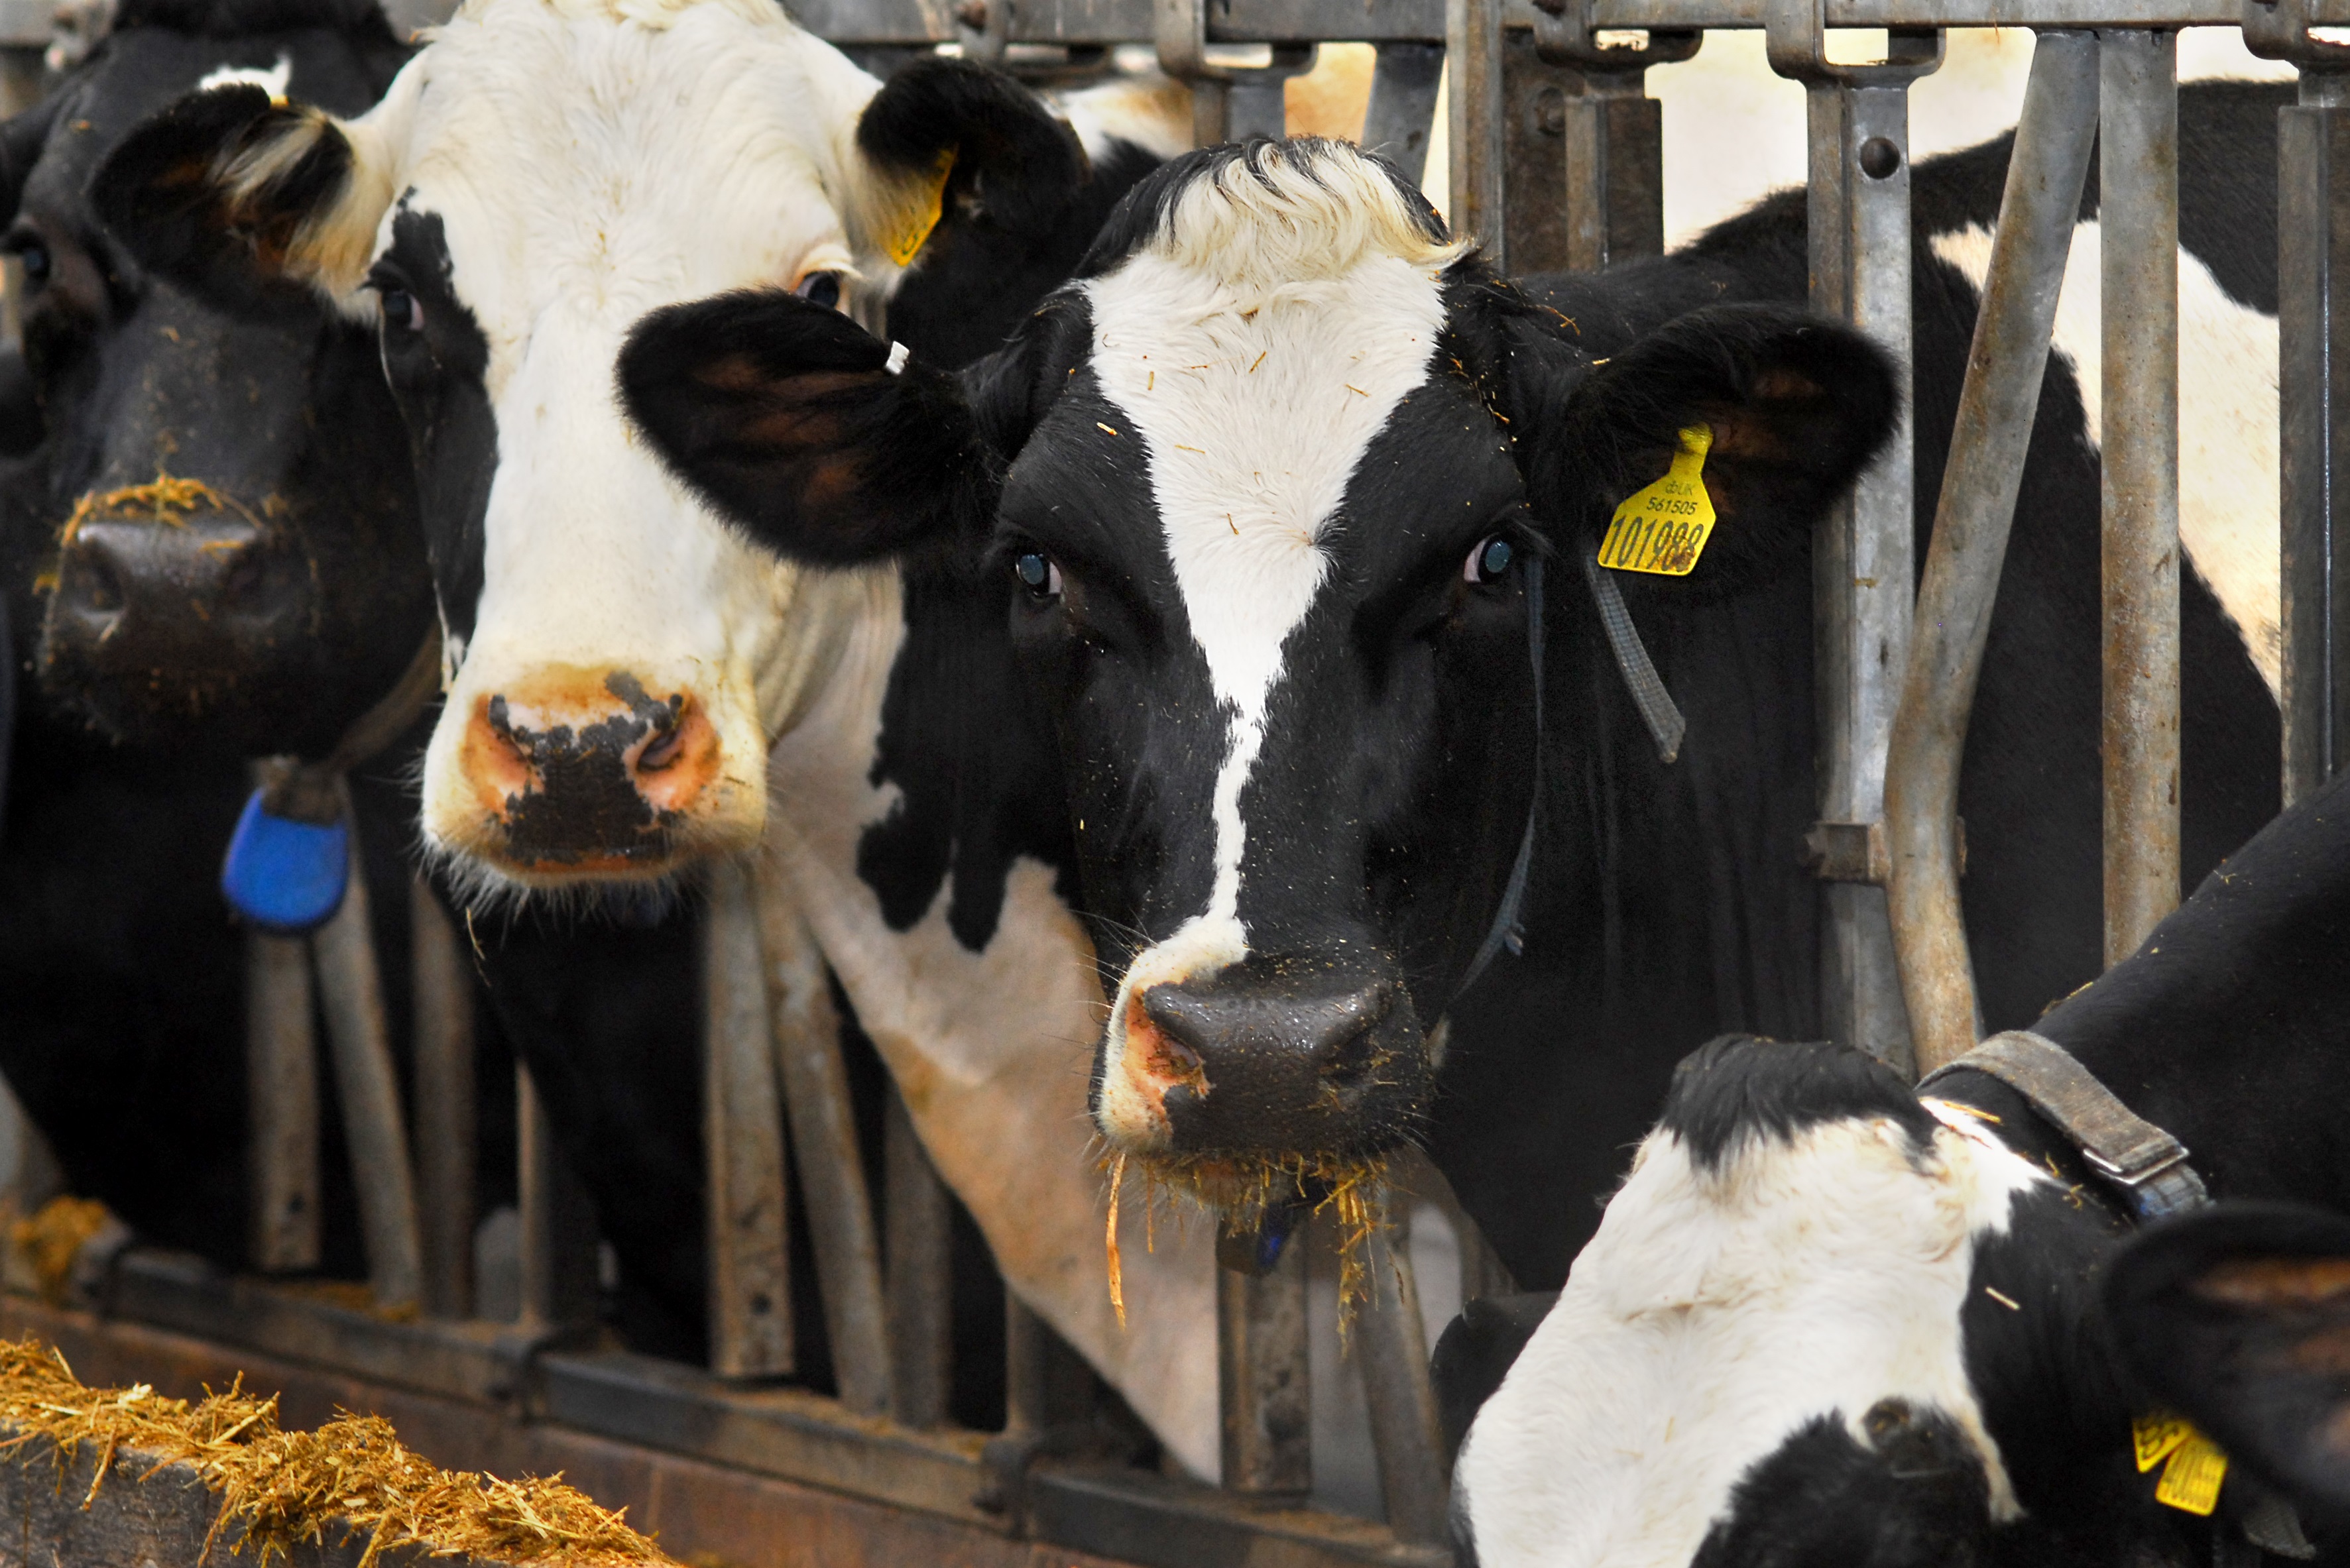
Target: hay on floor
{"points": [[277, 1489]]}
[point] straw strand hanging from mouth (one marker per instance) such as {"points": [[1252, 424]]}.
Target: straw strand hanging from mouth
{"points": [[1116, 1274]]}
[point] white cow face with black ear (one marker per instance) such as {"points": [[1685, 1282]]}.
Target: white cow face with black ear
{"points": [[539, 177], [1760, 1358]]}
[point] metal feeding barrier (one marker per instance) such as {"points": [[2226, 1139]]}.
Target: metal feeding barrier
{"points": [[1555, 164]]}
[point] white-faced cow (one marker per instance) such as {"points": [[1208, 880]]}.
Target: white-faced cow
{"points": [[1265, 486], [619, 661], [1827, 1320]]}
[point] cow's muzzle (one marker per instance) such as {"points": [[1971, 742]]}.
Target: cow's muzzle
{"points": [[1266, 1060], [579, 775]]}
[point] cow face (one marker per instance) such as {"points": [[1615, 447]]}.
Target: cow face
{"points": [[218, 509], [1258, 483], [538, 178], [1822, 1322]]}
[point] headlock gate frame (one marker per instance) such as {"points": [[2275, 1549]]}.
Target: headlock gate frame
{"points": [[1555, 163]]}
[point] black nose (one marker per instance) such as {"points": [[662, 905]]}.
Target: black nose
{"points": [[195, 591], [1318, 1065]]}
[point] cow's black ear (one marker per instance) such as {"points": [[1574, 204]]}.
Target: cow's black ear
{"points": [[792, 420], [1796, 406], [2238, 1317], [242, 200], [1000, 144]]}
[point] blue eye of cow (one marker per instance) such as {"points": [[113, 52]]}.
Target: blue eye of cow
{"points": [[820, 288], [1489, 560], [402, 311], [1037, 575], [34, 256]]}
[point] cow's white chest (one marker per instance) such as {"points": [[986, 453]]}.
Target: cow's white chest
{"points": [[2228, 504]]}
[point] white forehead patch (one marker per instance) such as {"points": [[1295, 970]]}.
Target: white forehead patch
{"points": [[272, 81], [1715, 1314], [1254, 349]]}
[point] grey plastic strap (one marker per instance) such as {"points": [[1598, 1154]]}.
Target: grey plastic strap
{"points": [[2145, 1163], [1504, 931], [1657, 710]]}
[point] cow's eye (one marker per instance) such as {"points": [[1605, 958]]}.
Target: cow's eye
{"points": [[402, 311], [820, 288], [1489, 560], [34, 256], [1039, 578]]}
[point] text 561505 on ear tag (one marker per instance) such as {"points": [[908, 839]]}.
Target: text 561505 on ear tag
{"points": [[1663, 528]]}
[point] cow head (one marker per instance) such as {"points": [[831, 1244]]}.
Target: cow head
{"points": [[1264, 483], [217, 507], [1825, 1321], [616, 661]]}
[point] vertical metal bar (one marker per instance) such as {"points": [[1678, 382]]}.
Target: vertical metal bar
{"points": [[1472, 52], [1392, 1356], [367, 1083], [442, 997], [281, 1067], [742, 1142], [1402, 111], [2139, 214], [1264, 1391], [919, 1276], [1862, 553], [1027, 1376], [558, 1223], [29, 1173], [824, 1142], [1615, 171], [1997, 407], [1536, 96], [2313, 399]]}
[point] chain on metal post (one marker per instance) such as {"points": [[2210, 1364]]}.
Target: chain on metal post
{"points": [[2312, 389], [1862, 551]]}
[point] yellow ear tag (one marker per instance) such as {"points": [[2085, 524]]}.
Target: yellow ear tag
{"points": [[2152, 1437], [2190, 1481], [1663, 528], [924, 217]]}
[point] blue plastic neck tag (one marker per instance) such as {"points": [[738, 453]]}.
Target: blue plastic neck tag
{"points": [[285, 877]]}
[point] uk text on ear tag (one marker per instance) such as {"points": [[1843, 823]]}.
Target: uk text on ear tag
{"points": [[285, 877], [1663, 528]]}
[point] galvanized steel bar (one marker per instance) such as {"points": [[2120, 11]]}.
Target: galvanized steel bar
{"points": [[558, 1222], [1402, 111], [823, 1121], [281, 1067], [1264, 1388], [2313, 399], [2138, 213], [1862, 551], [367, 1085], [441, 985], [1391, 1353], [919, 1274], [742, 1142], [1472, 45], [1027, 1380], [1997, 406]]}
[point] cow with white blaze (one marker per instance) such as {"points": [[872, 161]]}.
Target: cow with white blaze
{"points": [[631, 686], [1267, 486], [1827, 1319]]}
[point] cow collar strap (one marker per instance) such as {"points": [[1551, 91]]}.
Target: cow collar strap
{"points": [[2145, 1164], [1657, 709], [1507, 930]]}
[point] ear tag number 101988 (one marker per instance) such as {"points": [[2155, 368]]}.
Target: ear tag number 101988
{"points": [[1663, 528]]}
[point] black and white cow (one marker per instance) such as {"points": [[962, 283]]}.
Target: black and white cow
{"points": [[1824, 1320], [260, 596], [606, 632], [1264, 486]]}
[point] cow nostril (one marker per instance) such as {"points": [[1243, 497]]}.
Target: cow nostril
{"points": [[96, 585], [1352, 1059], [661, 750]]}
